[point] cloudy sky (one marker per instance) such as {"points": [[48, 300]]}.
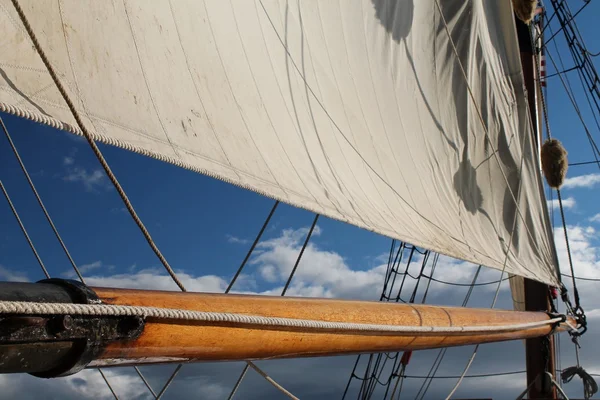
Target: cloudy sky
{"points": [[204, 228]]}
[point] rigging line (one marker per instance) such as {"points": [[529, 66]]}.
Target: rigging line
{"points": [[108, 384], [260, 233], [388, 274], [272, 382], [312, 227], [468, 376], [145, 381], [469, 284], [564, 222], [173, 375], [399, 381], [16, 214], [569, 89], [239, 381], [436, 257], [48, 218], [582, 278], [377, 370], [93, 145], [411, 300], [442, 352], [590, 77], [39, 200], [285, 288], [584, 163], [563, 71], [567, 22]]}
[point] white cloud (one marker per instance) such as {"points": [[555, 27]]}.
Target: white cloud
{"points": [[233, 239], [569, 202], [595, 218], [11, 276], [68, 160], [87, 268], [582, 181], [91, 180], [87, 384], [156, 278]]}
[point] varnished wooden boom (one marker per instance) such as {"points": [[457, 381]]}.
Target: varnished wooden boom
{"points": [[182, 341]]}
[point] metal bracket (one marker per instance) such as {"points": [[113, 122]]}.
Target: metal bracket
{"points": [[58, 345]]}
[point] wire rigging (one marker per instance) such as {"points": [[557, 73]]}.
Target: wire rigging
{"points": [[283, 292]]}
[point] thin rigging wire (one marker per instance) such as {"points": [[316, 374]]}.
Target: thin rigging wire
{"points": [[39, 200], [289, 280], [256, 240], [145, 381], [16, 214], [442, 352], [169, 381], [108, 384]]}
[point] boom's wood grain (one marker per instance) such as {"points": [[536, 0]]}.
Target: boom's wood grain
{"points": [[181, 341]]}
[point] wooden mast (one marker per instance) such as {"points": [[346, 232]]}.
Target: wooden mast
{"points": [[539, 351]]}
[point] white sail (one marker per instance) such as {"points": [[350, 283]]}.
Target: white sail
{"points": [[356, 110]]}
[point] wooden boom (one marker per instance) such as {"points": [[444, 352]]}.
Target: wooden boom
{"points": [[164, 341]]}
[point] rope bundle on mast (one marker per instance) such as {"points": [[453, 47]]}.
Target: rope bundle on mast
{"points": [[525, 9], [554, 163]]}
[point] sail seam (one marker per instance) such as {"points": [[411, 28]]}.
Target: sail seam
{"points": [[33, 308]]}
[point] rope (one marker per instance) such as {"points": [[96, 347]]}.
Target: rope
{"points": [[16, 214], [272, 382], [590, 387], [32, 308], [256, 240], [93, 145]]}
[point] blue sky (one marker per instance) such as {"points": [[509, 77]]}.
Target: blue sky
{"points": [[204, 226]]}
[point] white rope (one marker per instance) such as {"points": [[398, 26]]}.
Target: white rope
{"points": [[31, 308]]}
